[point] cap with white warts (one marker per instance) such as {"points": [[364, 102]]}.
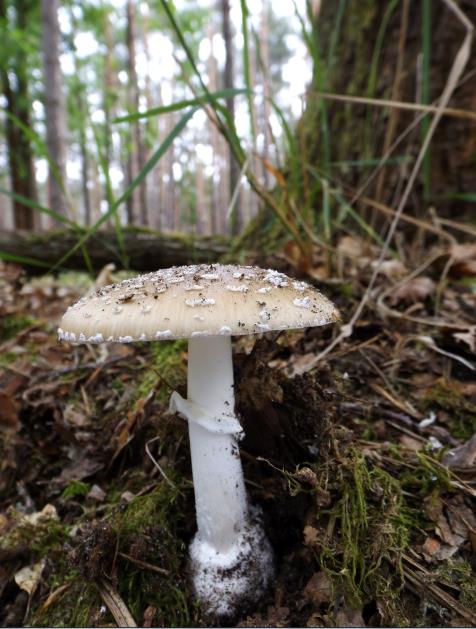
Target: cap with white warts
{"points": [[197, 300]]}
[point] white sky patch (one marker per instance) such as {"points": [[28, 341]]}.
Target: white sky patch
{"points": [[86, 44], [204, 153], [204, 49], [116, 175], [64, 21], [67, 64], [73, 170], [98, 116], [41, 166], [38, 109], [177, 171]]}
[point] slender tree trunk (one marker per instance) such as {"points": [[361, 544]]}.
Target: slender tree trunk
{"points": [[84, 161], [215, 208], [228, 83], [136, 151], [201, 220], [54, 107], [15, 90], [266, 110]]}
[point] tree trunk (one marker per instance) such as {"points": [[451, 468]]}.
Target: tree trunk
{"points": [[54, 107], [146, 250], [136, 157], [357, 131], [216, 210], [228, 83], [14, 80]]}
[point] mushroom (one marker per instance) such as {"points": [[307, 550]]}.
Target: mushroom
{"points": [[231, 559]]}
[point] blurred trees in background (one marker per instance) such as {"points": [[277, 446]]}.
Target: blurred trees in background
{"points": [[70, 68]]}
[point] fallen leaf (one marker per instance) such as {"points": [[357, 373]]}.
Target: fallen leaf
{"points": [[9, 412], [393, 269], [39, 517], [349, 617], [413, 290], [29, 577], [318, 589], [149, 615], [462, 456], [468, 337], [463, 260], [311, 535]]}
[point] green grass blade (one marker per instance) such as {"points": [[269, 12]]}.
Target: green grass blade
{"points": [[246, 67], [137, 181], [44, 210], [335, 34], [110, 198], [11, 257], [182, 104], [34, 205], [42, 150], [326, 210]]}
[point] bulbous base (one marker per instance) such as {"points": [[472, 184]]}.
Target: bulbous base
{"points": [[230, 582]]}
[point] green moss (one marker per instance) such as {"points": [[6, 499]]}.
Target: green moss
{"points": [[374, 529], [148, 530], [75, 607], [74, 489], [167, 370], [11, 325], [461, 411], [41, 538]]}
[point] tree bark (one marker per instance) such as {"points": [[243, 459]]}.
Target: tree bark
{"points": [[136, 156], [364, 131], [54, 107], [228, 83], [146, 250], [18, 105]]}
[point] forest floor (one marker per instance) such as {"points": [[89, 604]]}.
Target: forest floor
{"points": [[363, 463]]}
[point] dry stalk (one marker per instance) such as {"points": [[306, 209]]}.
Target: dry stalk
{"points": [[115, 604]]}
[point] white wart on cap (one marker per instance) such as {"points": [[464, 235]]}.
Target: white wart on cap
{"points": [[199, 300]]}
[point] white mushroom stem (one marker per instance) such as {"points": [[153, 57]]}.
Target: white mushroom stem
{"points": [[220, 495], [231, 559]]}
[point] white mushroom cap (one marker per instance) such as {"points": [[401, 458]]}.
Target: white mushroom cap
{"points": [[200, 300]]}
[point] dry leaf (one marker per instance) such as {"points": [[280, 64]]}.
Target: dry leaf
{"points": [[29, 577], [349, 617], [8, 412], [412, 291], [462, 456], [318, 589], [311, 535], [393, 269]]}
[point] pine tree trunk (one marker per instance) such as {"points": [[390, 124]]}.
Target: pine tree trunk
{"points": [[18, 105], [215, 208], [228, 83], [136, 159], [54, 107], [363, 131]]}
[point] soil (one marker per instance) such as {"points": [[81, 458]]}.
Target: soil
{"points": [[363, 463]]}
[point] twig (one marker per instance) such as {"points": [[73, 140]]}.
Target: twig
{"points": [[152, 458], [115, 604], [420, 580], [144, 564], [396, 104]]}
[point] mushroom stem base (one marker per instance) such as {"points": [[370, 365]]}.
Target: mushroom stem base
{"points": [[227, 583]]}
